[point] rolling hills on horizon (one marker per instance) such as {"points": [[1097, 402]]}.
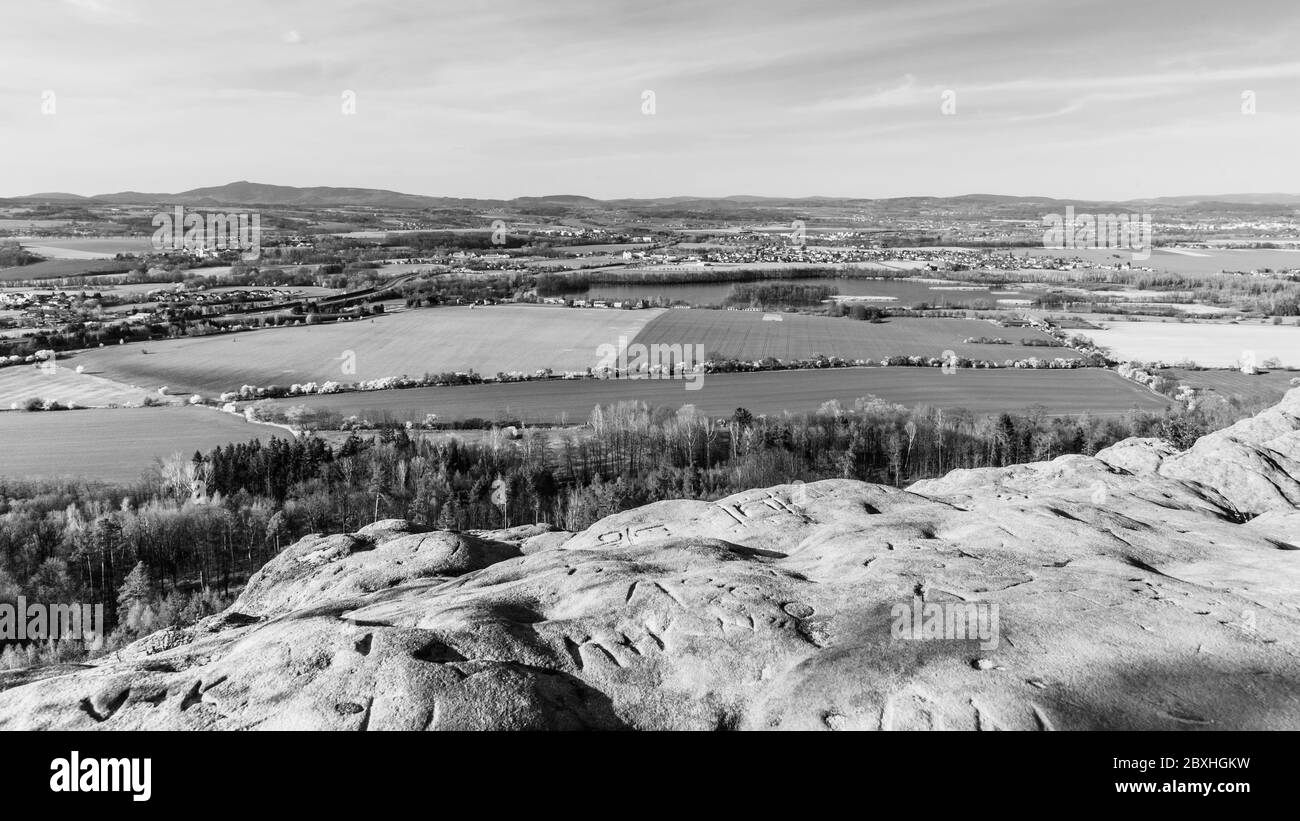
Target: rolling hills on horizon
{"points": [[244, 192]]}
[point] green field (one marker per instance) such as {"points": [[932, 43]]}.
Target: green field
{"points": [[1208, 344], [1206, 261], [483, 339], [1269, 386], [747, 335], [561, 401], [113, 445], [57, 268], [87, 247], [18, 383], [526, 338]]}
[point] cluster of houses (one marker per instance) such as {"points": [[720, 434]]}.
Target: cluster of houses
{"points": [[184, 297], [627, 304], [744, 251], [790, 253], [42, 309]]}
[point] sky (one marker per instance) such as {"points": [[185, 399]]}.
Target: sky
{"points": [[497, 99]]}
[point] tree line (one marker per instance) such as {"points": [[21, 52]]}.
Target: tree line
{"points": [[179, 543]]}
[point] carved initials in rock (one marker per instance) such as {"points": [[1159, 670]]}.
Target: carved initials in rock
{"points": [[743, 511], [631, 534]]}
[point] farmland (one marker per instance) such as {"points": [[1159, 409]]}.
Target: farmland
{"points": [[87, 247], [1186, 261], [485, 339], [113, 445], [890, 292], [1210, 345], [1268, 386], [558, 402], [524, 338], [18, 383], [56, 268], [747, 335]]}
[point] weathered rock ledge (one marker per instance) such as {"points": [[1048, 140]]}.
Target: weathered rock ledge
{"points": [[1142, 589]]}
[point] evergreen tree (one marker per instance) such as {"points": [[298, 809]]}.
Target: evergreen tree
{"points": [[133, 598]]}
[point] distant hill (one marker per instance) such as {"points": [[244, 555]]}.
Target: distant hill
{"points": [[252, 193], [52, 196], [245, 193], [1231, 199], [130, 198], [571, 200]]}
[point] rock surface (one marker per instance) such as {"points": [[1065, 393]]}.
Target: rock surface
{"points": [[1141, 589]]}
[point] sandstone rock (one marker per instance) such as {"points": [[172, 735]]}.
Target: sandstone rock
{"points": [[334, 567], [1135, 590], [1254, 477], [1137, 455], [544, 541], [1255, 463], [386, 528]]}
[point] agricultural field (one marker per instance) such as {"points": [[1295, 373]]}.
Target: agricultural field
{"points": [[1268, 386], [748, 335], [12, 224], [19, 383], [609, 248], [1183, 260], [483, 339], [56, 268], [113, 445], [394, 269], [1208, 344], [597, 262], [87, 247], [1091, 390]]}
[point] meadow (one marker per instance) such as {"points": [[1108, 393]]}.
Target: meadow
{"points": [[1091, 390], [113, 445], [486, 339], [889, 292], [87, 247], [1268, 386], [524, 338], [1208, 344], [19, 383], [1183, 260], [57, 268], [747, 335]]}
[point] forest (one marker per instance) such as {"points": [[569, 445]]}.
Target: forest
{"points": [[178, 544]]}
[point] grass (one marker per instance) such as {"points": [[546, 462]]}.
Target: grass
{"points": [[1210, 345], [746, 335], [113, 445], [1269, 386], [484, 339], [523, 338], [57, 268], [1206, 261], [562, 402], [18, 383], [87, 247]]}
